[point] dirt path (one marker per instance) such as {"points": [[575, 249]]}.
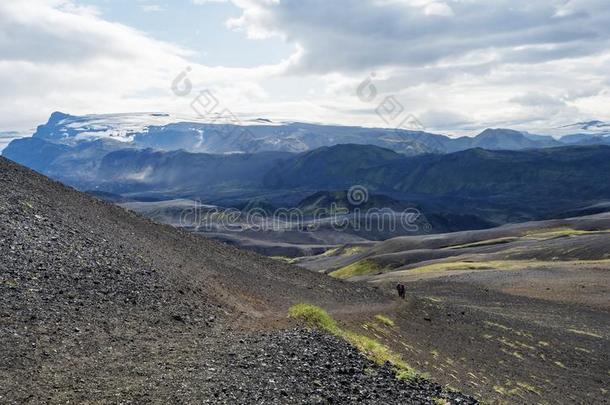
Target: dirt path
{"points": [[502, 348], [98, 305]]}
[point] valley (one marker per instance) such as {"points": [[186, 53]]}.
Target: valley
{"points": [[506, 287], [453, 188], [98, 301], [286, 202], [521, 311], [516, 314]]}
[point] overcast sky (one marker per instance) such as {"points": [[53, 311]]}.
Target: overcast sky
{"points": [[456, 65]]}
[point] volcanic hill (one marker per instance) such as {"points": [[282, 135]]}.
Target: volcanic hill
{"points": [[99, 305]]}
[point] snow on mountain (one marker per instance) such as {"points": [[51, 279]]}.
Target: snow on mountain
{"points": [[123, 127], [225, 134]]}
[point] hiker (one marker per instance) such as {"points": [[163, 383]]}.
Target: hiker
{"points": [[401, 290]]}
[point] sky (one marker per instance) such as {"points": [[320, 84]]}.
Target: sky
{"points": [[453, 66]]}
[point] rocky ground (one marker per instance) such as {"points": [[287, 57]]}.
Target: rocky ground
{"points": [[98, 305], [301, 366], [515, 314], [504, 347]]}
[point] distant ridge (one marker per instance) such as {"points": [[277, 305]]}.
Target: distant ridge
{"points": [[218, 135]]}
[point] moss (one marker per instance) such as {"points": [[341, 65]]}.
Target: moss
{"points": [[488, 242], [315, 317], [385, 320], [284, 259], [370, 371], [518, 355], [464, 265], [496, 265], [361, 268], [329, 252], [585, 333], [528, 387], [541, 234], [380, 354], [352, 250], [369, 267], [370, 348], [557, 233]]}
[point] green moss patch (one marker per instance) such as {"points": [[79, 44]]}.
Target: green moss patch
{"points": [[374, 350], [314, 317], [361, 268], [385, 320]]}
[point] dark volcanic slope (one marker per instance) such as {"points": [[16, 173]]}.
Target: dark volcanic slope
{"points": [[49, 230], [100, 305]]}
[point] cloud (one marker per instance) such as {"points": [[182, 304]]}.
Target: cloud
{"points": [[475, 57], [7, 137], [455, 64], [151, 8], [55, 55], [360, 35], [438, 9], [200, 2]]}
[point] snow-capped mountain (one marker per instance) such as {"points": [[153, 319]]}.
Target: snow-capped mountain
{"points": [[223, 135], [123, 127]]}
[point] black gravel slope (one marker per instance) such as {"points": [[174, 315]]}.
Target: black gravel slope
{"points": [[300, 366], [98, 305]]}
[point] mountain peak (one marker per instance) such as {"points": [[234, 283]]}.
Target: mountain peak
{"points": [[510, 139], [495, 132], [58, 115]]}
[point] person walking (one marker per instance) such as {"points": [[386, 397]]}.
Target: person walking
{"points": [[401, 290]]}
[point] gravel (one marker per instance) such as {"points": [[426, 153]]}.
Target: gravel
{"points": [[301, 366], [98, 305]]}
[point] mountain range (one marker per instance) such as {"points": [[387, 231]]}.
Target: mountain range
{"points": [[163, 131], [99, 299], [96, 298], [499, 176]]}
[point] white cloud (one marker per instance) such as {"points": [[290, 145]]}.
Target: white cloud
{"points": [[462, 64], [200, 2], [439, 9], [151, 8], [475, 57], [357, 34], [55, 55]]}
